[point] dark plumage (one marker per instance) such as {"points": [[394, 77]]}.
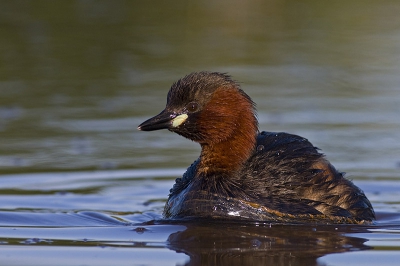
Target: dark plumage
{"points": [[243, 174]]}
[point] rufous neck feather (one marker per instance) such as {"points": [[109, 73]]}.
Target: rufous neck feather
{"points": [[232, 134]]}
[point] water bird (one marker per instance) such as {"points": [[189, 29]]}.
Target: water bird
{"points": [[245, 174]]}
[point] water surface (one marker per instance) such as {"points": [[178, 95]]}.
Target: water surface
{"points": [[80, 185]]}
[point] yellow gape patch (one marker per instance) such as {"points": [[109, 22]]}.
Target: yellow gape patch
{"points": [[177, 121]]}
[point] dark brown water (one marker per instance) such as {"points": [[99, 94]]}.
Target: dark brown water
{"points": [[79, 185]]}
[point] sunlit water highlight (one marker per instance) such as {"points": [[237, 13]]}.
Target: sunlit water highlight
{"points": [[108, 211]]}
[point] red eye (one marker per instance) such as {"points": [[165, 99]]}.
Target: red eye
{"points": [[192, 107]]}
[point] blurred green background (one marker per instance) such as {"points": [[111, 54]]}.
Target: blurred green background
{"points": [[77, 77]]}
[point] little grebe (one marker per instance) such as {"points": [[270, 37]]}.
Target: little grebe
{"points": [[244, 174]]}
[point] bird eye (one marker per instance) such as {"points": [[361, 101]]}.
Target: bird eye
{"points": [[192, 107]]}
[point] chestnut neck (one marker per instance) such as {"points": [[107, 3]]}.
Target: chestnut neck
{"points": [[226, 157], [233, 140]]}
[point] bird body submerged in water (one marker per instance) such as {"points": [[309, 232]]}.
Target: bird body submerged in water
{"points": [[244, 174]]}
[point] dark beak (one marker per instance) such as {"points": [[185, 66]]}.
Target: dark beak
{"points": [[161, 121]]}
